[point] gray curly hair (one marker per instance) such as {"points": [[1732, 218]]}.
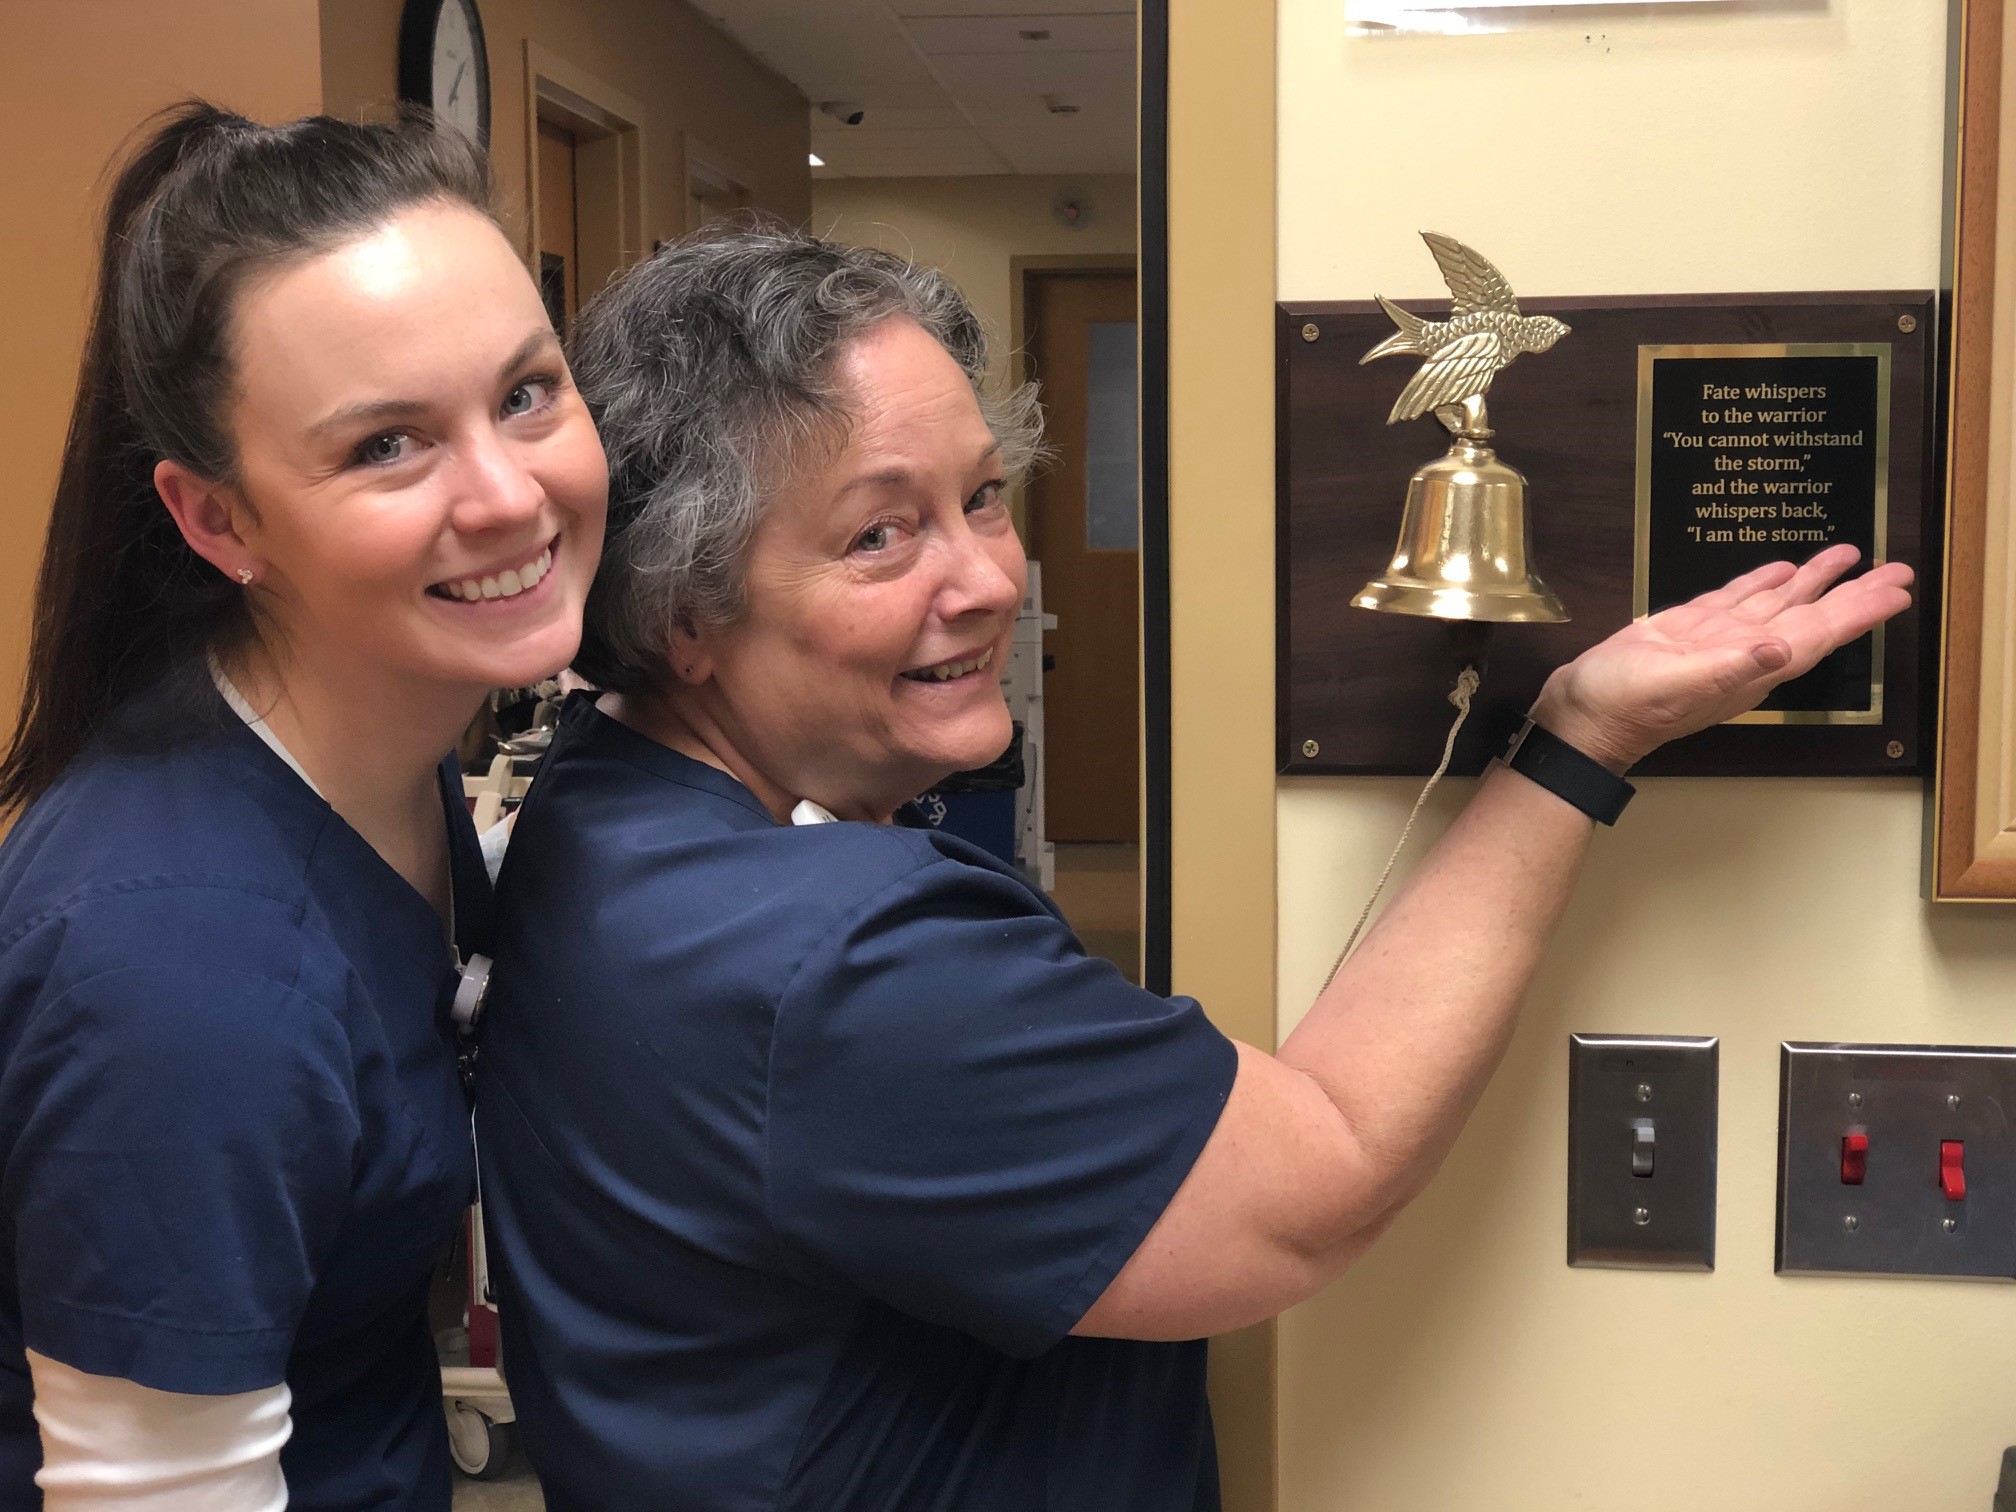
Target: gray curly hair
{"points": [[709, 370]]}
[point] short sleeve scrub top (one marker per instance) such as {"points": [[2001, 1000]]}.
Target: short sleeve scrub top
{"points": [[233, 1136], [805, 1148]]}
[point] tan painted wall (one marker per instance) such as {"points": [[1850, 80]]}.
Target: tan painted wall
{"points": [[1221, 590], [689, 77], [971, 227], [75, 80], [1463, 1367]]}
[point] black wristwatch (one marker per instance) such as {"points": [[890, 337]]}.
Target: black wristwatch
{"points": [[1541, 756]]}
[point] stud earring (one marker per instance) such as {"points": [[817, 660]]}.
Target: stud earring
{"points": [[245, 576]]}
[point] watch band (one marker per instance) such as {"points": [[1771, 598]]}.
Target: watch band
{"points": [[1539, 755]]}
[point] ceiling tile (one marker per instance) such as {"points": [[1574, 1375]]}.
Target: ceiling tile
{"points": [[953, 88], [1113, 32], [1098, 75], [1006, 7], [834, 145], [921, 151], [884, 116], [925, 94], [978, 161], [1072, 146], [831, 49]]}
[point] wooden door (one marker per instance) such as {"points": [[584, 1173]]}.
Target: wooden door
{"points": [[559, 252], [1084, 527]]}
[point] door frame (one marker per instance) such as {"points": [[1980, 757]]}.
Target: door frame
{"points": [[1023, 269], [1209, 921], [608, 127], [708, 167]]}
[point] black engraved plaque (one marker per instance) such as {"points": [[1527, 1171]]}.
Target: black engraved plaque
{"points": [[1748, 454]]}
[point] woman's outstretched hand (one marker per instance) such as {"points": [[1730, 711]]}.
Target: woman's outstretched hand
{"points": [[1715, 657]]}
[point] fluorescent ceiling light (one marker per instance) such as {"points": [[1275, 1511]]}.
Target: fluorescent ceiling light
{"points": [[818, 161]]}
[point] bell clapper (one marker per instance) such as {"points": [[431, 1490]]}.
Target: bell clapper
{"points": [[1470, 644]]}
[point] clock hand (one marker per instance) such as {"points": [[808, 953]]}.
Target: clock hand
{"points": [[455, 88]]}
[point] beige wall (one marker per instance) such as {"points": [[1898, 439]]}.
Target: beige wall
{"points": [[1221, 596], [1463, 1367], [690, 78], [75, 80], [971, 227]]}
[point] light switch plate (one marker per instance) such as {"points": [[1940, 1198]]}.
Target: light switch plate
{"points": [[1906, 1100], [1636, 1100]]}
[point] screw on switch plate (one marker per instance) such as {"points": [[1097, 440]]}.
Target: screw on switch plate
{"points": [[1641, 1151]]}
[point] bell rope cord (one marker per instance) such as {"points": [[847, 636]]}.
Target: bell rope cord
{"points": [[1466, 686]]}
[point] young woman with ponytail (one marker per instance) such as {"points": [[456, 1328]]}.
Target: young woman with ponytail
{"points": [[327, 481]]}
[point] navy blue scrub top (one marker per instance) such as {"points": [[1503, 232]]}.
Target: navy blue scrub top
{"points": [[803, 1150], [233, 1138]]}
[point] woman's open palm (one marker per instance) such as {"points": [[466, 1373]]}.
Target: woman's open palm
{"points": [[1716, 656]]}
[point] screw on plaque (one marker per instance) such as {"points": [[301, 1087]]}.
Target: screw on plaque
{"points": [[1894, 750], [1310, 332], [1310, 748], [1907, 323]]}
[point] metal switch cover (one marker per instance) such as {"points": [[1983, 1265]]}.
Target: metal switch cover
{"points": [[1897, 1160], [1641, 1151]]}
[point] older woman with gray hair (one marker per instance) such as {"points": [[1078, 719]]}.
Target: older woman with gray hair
{"points": [[826, 1172]]}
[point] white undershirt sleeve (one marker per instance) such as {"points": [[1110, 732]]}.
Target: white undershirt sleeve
{"points": [[113, 1446]]}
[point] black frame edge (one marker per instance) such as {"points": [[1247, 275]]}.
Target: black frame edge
{"points": [[1152, 191]]}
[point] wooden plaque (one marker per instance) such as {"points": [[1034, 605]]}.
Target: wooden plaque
{"points": [[1819, 408]]}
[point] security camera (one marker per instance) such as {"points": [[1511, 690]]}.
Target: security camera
{"points": [[846, 112]]}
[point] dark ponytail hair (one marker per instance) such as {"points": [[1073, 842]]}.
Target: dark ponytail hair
{"points": [[206, 200]]}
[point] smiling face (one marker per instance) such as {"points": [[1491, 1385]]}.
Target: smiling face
{"points": [[422, 489], [882, 589]]}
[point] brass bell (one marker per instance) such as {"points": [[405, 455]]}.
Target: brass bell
{"points": [[1463, 545]]}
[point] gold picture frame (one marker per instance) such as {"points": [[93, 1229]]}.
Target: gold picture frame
{"points": [[1971, 811]]}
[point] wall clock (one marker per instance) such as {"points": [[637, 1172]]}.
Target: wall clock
{"points": [[443, 64]]}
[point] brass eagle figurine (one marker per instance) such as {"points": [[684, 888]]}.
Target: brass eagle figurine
{"points": [[1482, 335]]}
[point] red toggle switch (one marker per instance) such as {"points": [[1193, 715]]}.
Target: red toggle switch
{"points": [[1952, 1173], [1854, 1158]]}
